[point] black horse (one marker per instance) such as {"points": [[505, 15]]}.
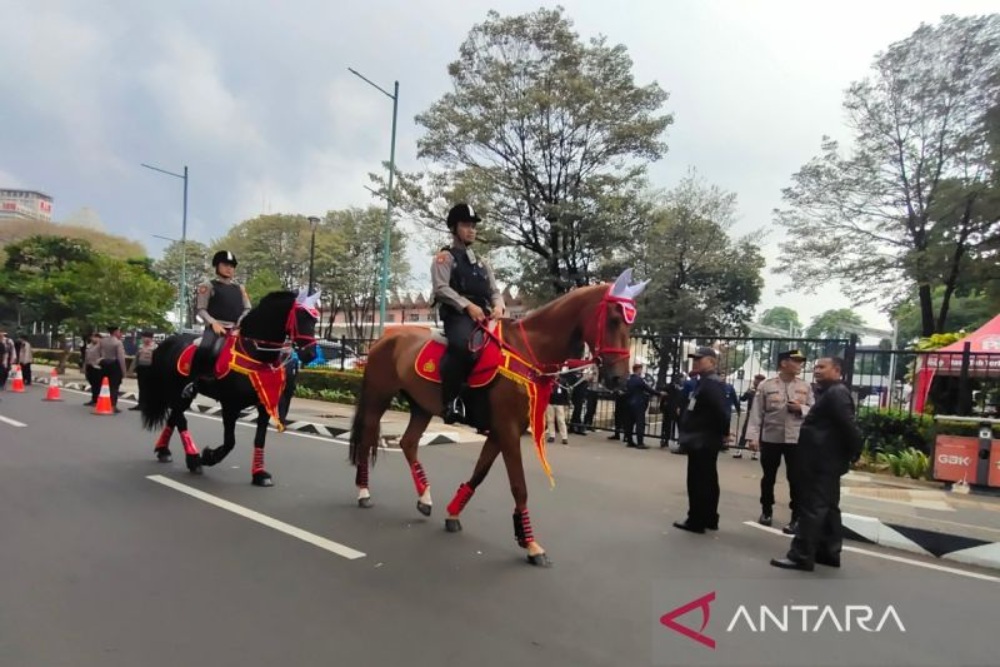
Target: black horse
{"points": [[282, 321]]}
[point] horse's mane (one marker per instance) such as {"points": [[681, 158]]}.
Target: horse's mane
{"points": [[269, 316], [566, 305]]}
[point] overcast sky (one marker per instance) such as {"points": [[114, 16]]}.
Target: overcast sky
{"points": [[255, 97]]}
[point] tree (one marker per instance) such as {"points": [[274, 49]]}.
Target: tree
{"points": [[830, 324], [196, 257], [968, 312], [63, 283], [263, 282], [901, 213], [702, 280], [550, 137], [349, 246], [784, 318], [14, 231]]}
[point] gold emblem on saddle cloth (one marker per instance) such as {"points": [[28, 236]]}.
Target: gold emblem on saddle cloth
{"points": [[429, 366]]}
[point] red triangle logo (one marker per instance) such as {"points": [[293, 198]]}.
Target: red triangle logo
{"points": [[703, 603]]}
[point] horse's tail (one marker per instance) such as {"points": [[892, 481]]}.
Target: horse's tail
{"points": [[358, 451], [156, 385]]}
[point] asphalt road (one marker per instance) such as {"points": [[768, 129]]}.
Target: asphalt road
{"points": [[101, 565]]}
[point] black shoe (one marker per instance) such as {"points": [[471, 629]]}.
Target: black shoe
{"points": [[791, 528], [641, 446], [789, 564], [455, 412], [684, 525], [613, 437], [765, 518], [90, 403], [829, 561]]}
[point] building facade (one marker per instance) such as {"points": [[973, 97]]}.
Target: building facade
{"points": [[25, 205]]}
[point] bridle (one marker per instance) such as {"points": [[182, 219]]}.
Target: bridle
{"points": [[293, 338]]}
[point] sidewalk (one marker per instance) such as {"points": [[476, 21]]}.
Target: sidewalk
{"points": [[917, 516], [329, 420]]}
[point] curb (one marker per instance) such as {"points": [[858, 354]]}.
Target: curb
{"points": [[311, 428], [942, 546]]}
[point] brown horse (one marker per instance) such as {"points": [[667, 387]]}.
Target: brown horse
{"points": [[599, 315]]}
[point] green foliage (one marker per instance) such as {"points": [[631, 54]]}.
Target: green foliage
{"points": [[830, 324], [782, 317], [910, 462], [549, 136], [913, 206], [195, 257], [262, 283], [703, 280], [938, 340], [967, 312], [892, 431], [335, 386]]}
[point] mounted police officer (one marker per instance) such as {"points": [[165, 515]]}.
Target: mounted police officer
{"points": [[466, 290], [221, 304]]}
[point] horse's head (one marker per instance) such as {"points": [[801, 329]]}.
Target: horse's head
{"points": [[301, 327], [610, 327]]}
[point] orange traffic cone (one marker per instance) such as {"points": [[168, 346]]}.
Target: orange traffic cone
{"points": [[53, 393], [17, 381], [103, 406]]}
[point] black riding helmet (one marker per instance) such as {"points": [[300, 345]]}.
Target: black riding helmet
{"points": [[224, 256], [461, 213]]}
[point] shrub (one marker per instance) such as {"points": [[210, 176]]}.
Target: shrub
{"points": [[335, 387], [887, 431], [911, 463]]}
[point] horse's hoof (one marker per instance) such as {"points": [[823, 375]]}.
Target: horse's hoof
{"points": [[208, 457], [193, 462], [365, 503], [453, 525], [163, 455], [540, 560], [263, 479], [424, 508]]}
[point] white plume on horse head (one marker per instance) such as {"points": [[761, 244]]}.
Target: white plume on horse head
{"points": [[623, 289], [312, 300], [301, 298]]}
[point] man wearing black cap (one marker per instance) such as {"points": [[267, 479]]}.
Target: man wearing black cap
{"points": [[703, 428], [466, 290], [221, 304], [781, 404]]}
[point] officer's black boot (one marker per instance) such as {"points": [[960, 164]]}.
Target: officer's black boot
{"points": [[451, 386]]}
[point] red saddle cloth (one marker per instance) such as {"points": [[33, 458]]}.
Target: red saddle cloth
{"points": [[221, 364], [428, 363]]}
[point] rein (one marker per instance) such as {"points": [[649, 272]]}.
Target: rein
{"points": [[284, 347]]}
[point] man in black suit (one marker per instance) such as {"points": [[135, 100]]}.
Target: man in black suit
{"points": [[829, 441], [637, 393], [703, 428]]}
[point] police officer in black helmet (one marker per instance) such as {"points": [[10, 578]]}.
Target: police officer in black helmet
{"points": [[221, 304], [466, 290]]}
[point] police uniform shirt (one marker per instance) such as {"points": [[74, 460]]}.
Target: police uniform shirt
{"points": [[770, 420], [144, 356], [205, 293], [442, 290], [92, 355], [111, 349]]}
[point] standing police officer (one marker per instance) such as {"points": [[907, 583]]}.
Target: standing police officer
{"points": [[637, 393], [467, 292], [221, 304], [781, 404]]}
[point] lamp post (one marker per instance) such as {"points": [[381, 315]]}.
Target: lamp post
{"points": [[184, 223], [384, 282], [313, 223]]}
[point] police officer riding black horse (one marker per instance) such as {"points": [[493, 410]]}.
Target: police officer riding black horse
{"points": [[221, 304], [467, 293]]}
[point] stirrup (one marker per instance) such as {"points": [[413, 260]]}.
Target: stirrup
{"points": [[189, 390]]}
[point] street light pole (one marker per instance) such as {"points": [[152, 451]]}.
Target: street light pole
{"points": [[182, 320], [313, 223], [384, 281]]}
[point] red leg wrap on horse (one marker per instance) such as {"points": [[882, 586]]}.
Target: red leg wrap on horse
{"points": [[461, 499], [419, 477], [165, 436], [361, 476], [258, 460], [188, 442], [522, 528]]}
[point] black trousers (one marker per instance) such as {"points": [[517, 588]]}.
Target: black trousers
{"points": [[26, 373], [142, 377], [579, 397], [703, 488], [770, 460], [458, 359], [635, 425], [820, 531], [94, 376], [622, 415], [590, 409], [113, 371]]}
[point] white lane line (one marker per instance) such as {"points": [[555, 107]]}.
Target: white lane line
{"points": [[263, 519], [896, 559], [12, 422]]}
